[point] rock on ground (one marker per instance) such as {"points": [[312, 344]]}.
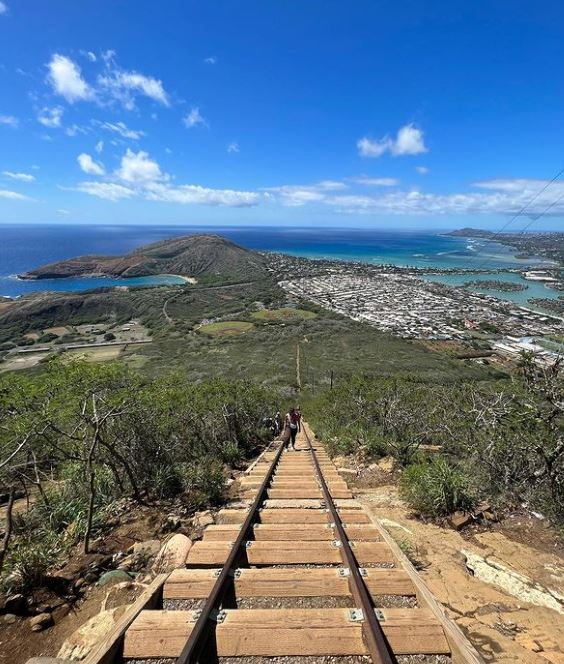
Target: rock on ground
{"points": [[81, 642], [173, 554]]}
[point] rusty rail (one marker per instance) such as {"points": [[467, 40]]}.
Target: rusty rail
{"points": [[376, 642], [205, 624]]}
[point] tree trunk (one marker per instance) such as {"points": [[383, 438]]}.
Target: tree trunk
{"points": [[9, 525], [92, 491]]}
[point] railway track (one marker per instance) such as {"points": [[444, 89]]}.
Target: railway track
{"points": [[296, 569]]}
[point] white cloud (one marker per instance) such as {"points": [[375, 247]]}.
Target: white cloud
{"points": [[195, 194], [123, 86], [13, 195], [123, 130], [504, 196], [108, 56], [369, 148], [233, 147], [331, 185], [496, 196], [88, 165], [66, 79], [63, 211], [9, 121], [194, 118], [141, 176], [114, 84], [110, 191], [99, 147], [75, 129], [409, 141], [3, 7], [139, 168], [211, 60], [296, 195], [376, 182], [422, 170], [22, 177], [51, 117]]}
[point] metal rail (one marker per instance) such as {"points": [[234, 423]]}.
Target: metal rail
{"points": [[205, 624], [376, 642]]}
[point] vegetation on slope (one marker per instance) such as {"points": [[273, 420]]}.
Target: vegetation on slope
{"points": [[84, 435], [500, 441]]}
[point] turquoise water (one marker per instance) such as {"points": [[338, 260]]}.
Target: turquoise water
{"points": [[24, 247], [12, 287], [535, 289]]}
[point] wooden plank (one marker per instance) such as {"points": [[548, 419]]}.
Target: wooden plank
{"points": [[287, 582], [211, 553], [292, 516], [335, 485], [310, 503], [303, 532], [292, 475], [108, 650], [284, 632], [282, 494]]}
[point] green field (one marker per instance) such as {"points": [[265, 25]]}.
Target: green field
{"points": [[226, 328], [283, 315]]}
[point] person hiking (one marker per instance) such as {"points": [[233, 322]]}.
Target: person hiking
{"points": [[277, 423], [292, 421]]}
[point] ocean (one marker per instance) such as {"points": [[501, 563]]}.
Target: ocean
{"points": [[23, 247]]}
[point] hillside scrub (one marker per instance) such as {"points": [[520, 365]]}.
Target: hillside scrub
{"points": [[81, 435], [504, 439]]}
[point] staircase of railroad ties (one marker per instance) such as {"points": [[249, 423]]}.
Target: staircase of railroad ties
{"points": [[297, 569]]}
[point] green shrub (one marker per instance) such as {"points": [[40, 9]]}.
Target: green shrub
{"points": [[205, 482], [436, 489], [24, 341], [167, 481], [30, 560], [47, 337]]}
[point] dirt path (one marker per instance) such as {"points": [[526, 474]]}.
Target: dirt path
{"points": [[165, 312], [503, 626]]}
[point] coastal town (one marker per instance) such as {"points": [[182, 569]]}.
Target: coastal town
{"points": [[409, 307]]}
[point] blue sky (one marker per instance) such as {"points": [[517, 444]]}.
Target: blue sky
{"points": [[317, 112]]}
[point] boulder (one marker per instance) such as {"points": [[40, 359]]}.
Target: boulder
{"points": [[128, 563], [14, 604], [173, 554], [9, 619], [113, 576], [387, 464], [86, 637], [40, 622], [203, 519], [459, 520]]}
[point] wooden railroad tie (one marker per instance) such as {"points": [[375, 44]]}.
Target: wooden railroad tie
{"points": [[300, 534]]}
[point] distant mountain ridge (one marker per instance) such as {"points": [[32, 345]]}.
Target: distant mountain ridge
{"points": [[190, 256]]}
